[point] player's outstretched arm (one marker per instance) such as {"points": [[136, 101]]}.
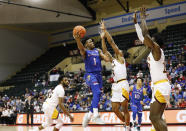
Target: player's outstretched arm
{"points": [[137, 27], [65, 111], [103, 56], [156, 52], [110, 39], [103, 44], [104, 47], [80, 44]]}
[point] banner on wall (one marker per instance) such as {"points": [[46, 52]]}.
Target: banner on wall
{"points": [[54, 77], [171, 116], [117, 22]]}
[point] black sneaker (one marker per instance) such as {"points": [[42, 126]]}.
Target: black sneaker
{"points": [[131, 124], [134, 124], [138, 128]]}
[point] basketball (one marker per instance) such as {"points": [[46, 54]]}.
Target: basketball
{"points": [[79, 29]]}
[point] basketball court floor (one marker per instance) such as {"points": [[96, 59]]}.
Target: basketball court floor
{"points": [[89, 128]]}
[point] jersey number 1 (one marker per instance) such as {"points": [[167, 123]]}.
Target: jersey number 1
{"points": [[95, 61]]}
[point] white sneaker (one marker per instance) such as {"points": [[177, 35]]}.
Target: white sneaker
{"points": [[86, 120], [127, 128], [34, 129], [97, 120]]}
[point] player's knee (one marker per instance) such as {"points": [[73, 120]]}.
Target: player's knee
{"points": [[154, 117], [115, 109], [140, 114], [59, 125], [125, 110]]}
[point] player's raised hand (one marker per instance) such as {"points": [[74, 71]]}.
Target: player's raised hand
{"points": [[76, 36], [102, 34], [143, 14], [135, 17], [102, 25]]}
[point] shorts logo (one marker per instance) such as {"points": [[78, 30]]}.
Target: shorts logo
{"points": [[88, 77], [95, 83]]}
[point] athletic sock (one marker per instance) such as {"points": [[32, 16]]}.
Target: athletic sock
{"points": [[153, 129], [95, 112], [89, 114]]}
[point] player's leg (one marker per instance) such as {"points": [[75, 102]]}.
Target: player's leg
{"points": [[115, 109], [96, 90], [93, 83], [48, 117], [96, 97], [27, 117], [156, 111], [126, 112], [161, 115], [140, 109], [59, 124], [134, 113]]}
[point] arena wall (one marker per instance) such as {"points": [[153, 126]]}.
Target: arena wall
{"points": [[171, 14], [18, 48], [171, 116]]}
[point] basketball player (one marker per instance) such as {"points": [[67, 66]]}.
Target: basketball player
{"points": [[120, 89], [137, 102], [49, 106], [161, 86], [92, 58]]}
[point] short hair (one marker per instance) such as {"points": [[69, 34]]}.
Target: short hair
{"points": [[139, 78], [85, 40], [159, 39], [60, 78]]}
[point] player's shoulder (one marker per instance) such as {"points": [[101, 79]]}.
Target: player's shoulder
{"points": [[59, 87], [98, 49]]}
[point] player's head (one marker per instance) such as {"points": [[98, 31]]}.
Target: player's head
{"points": [[89, 43], [63, 80], [139, 81], [158, 39]]}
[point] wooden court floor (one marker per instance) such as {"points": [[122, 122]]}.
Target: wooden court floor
{"points": [[89, 128]]}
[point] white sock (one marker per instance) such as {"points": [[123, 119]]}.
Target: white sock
{"points": [[95, 112], [90, 114]]}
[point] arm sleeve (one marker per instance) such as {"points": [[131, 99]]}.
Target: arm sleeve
{"points": [[139, 32]]}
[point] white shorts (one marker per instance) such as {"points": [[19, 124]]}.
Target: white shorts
{"points": [[51, 113], [120, 91], [161, 92]]}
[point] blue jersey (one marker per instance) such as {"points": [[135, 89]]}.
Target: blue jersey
{"points": [[137, 95], [148, 89], [92, 61]]}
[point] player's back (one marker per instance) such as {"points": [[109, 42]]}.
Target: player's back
{"points": [[53, 98], [137, 94], [92, 61]]}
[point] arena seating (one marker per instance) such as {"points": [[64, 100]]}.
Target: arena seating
{"points": [[41, 65], [174, 41]]}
